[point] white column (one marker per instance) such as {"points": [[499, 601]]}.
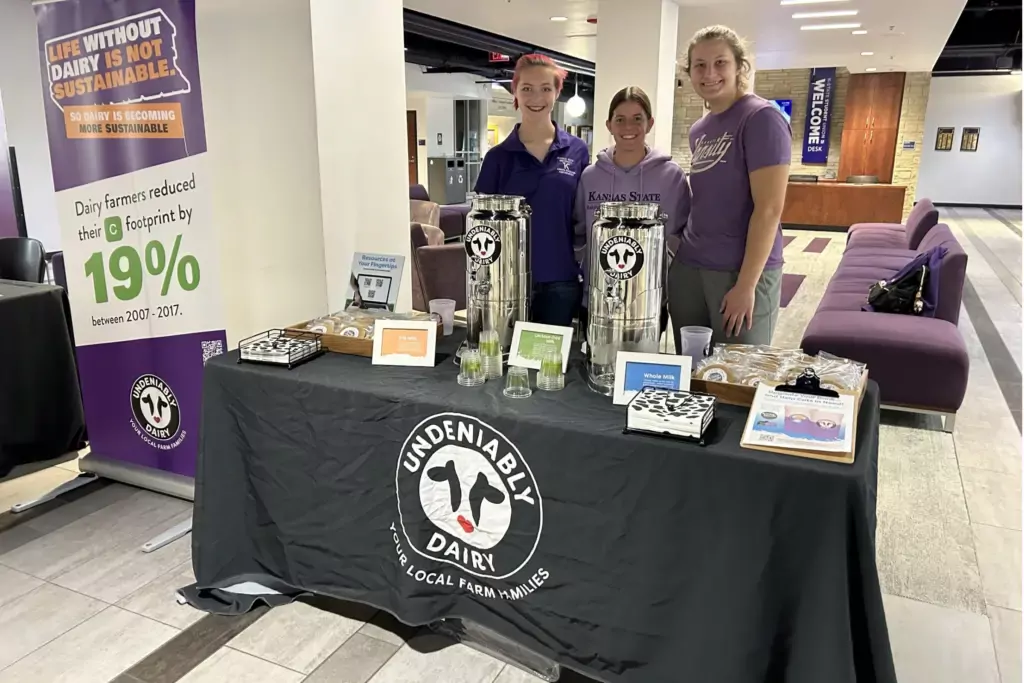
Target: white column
{"points": [[647, 58], [359, 75]]}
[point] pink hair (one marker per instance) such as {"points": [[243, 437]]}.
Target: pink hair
{"points": [[527, 61]]}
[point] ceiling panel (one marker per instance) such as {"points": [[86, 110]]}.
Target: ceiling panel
{"points": [[903, 34]]}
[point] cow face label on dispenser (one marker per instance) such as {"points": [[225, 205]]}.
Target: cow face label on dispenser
{"points": [[622, 258], [483, 245]]}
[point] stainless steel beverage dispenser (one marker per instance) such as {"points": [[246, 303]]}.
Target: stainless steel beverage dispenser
{"points": [[627, 272], [498, 278]]}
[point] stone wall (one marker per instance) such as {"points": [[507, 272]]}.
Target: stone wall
{"points": [[793, 84], [908, 161]]}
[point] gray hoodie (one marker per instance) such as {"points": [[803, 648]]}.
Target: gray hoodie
{"points": [[657, 178]]}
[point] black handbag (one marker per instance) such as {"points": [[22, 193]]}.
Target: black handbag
{"points": [[903, 294]]}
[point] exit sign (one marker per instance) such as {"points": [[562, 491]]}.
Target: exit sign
{"points": [[497, 57]]}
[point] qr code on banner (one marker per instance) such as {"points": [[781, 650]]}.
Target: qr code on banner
{"points": [[211, 348]]}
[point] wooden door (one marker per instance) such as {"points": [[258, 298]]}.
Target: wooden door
{"points": [[887, 101], [410, 134], [851, 154], [858, 102], [880, 153]]}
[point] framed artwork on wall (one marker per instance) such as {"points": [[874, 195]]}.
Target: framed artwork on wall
{"points": [[944, 139], [969, 139]]}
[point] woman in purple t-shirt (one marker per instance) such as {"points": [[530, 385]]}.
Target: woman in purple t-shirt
{"points": [[727, 274]]}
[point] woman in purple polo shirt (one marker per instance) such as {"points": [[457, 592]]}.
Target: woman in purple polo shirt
{"points": [[543, 164], [727, 274]]}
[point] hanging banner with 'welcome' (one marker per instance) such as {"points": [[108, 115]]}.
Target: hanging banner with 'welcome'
{"points": [[127, 139], [819, 115]]}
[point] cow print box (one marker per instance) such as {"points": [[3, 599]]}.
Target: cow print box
{"points": [[671, 412]]}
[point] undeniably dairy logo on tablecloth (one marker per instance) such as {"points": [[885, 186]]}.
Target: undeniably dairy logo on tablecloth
{"points": [[483, 244], [467, 498], [622, 257]]}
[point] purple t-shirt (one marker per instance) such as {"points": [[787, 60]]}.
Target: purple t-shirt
{"points": [[726, 147]]}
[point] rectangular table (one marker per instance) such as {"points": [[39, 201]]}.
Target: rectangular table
{"points": [[41, 414], [627, 558]]}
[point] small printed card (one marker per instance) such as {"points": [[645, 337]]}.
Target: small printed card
{"points": [[634, 371], [405, 342], [531, 340], [800, 422]]}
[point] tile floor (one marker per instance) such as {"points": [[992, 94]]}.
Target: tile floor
{"points": [[80, 604]]}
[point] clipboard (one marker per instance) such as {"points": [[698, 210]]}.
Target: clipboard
{"points": [[810, 384]]}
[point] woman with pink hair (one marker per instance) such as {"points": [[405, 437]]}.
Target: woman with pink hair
{"points": [[543, 164]]}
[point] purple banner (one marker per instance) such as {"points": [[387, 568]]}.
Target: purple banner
{"points": [[818, 124], [124, 115]]}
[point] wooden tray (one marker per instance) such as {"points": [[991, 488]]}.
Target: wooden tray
{"points": [[335, 343]]}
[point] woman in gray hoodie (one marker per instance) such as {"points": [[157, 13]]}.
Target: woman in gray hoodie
{"points": [[630, 171]]}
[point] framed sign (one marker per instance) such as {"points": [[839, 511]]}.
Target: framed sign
{"points": [[530, 340], [969, 139], [634, 371], [405, 342], [944, 139]]}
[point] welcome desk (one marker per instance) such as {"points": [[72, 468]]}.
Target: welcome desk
{"points": [[833, 205]]}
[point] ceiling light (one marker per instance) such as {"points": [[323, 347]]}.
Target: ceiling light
{"points": [[576, 106], [859, 33], [826, 27], [824, 15], [807, 2], [866, 54], [559, 18], [871, 68]]}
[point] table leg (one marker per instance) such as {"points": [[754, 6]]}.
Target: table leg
{"points": [[79, 481], [169, 536]]}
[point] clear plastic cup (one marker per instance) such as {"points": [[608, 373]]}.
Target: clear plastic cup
{"points": [[517, 383], [695, 342], [471, 370], [550, 376], [490, 353], [446, 309]]}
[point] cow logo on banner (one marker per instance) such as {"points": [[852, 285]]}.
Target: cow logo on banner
{"points": [[622, 257], [483, 245], [466, 497], [155, 409]]}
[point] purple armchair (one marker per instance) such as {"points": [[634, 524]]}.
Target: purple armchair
{"points": [[903, 352], [438, 269], [453, 216]]}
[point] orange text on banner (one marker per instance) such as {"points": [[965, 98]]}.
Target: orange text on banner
{"points": [[124, 121]]}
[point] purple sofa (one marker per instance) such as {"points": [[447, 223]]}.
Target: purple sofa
{"points": [[453, 216], [923, 217], [920, 364]]}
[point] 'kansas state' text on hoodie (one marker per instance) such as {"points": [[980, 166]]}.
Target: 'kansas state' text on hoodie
{"points": [[549, 187], [656, 179]]}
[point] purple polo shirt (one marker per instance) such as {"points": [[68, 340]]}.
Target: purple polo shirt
{"points": [[549, 188], [726, 147]]}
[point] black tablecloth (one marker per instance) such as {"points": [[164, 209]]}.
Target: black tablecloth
{"points": [[41, 414], [628, 558]]}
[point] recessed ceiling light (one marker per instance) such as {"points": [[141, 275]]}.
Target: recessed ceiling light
{"points": [[825, 15], [859, 33], [559, 18], [807, 2], [866, 54], [827, 27], [871, 68]]}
